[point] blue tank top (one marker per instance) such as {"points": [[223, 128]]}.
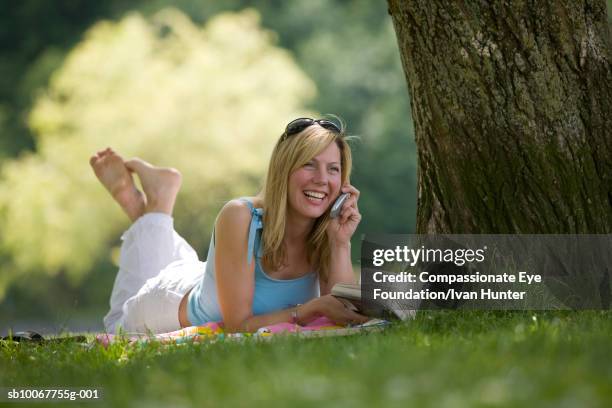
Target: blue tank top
{"points": [[270, 294]]}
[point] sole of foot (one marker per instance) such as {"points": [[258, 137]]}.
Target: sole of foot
{"points": [[110, 169]]}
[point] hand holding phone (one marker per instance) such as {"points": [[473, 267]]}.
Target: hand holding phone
{"points": [[337, 207]]}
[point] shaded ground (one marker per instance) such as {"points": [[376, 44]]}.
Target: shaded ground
{"points": [[52, 326]]}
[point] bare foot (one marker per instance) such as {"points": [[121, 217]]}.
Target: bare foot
{"points": [[160, 185], [112, 173]]}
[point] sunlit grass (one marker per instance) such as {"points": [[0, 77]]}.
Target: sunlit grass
{"points": [[441, 359]]}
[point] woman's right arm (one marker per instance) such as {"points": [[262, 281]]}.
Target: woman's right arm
{"points": [[236, 280]]}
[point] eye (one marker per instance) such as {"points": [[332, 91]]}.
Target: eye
{"points": [[334, 169], [309, 164]]}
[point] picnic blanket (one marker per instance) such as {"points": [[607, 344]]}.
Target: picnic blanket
{"points": [[210, 332]]}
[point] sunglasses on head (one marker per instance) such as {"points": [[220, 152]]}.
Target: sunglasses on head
{"points": [[296, 126]]}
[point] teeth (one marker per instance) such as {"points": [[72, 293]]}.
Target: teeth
{"points": [[314, 194]]}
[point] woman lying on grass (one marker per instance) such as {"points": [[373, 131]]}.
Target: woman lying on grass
{"points": [[270, 256]]}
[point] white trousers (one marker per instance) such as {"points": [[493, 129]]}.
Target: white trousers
{"points": [[156, 268]]}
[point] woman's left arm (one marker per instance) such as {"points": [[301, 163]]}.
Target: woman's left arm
{"points": [[340, 230]]}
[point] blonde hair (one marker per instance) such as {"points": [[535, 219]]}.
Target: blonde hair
{"points": [[289, 155]]}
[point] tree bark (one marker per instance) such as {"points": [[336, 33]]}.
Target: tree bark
{"points": [[511, 103]]}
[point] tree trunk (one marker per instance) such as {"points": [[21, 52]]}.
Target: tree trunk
{"points": [[512, 109]]}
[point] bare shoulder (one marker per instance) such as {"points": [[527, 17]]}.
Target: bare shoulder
{"points": [[232, 229], [235, 213], [257, 201]]}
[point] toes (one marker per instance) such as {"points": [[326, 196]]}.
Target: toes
{"points": [[111, 153], [106, 152]]}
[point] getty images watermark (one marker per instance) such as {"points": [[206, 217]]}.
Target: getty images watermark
{"points": [[487, 272]]}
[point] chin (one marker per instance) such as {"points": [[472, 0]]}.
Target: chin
{"points": [[310, 213], [318, 214]]}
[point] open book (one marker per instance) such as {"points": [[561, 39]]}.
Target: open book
{"points": [[350, 295]]}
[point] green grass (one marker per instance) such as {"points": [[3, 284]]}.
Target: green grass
{"points": [[441, 359]]}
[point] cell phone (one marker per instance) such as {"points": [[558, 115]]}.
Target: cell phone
{"points": [[335, 210]]}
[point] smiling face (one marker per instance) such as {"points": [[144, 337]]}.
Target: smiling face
{"points": [[314, 186]]}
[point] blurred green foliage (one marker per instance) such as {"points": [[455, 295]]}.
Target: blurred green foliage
{"points": [[207, 101], [34, 38], [150, 81]]}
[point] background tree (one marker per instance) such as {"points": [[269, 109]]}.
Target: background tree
{"points": [[512, 107]]}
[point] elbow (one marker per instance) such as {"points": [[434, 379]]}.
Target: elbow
{"points": [[236, 326], [230, 328]]}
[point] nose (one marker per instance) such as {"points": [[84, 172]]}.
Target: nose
{"points": [[320, 177]]}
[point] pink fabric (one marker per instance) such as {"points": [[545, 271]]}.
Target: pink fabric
{"points": [[321, 323], [215, 330]]}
